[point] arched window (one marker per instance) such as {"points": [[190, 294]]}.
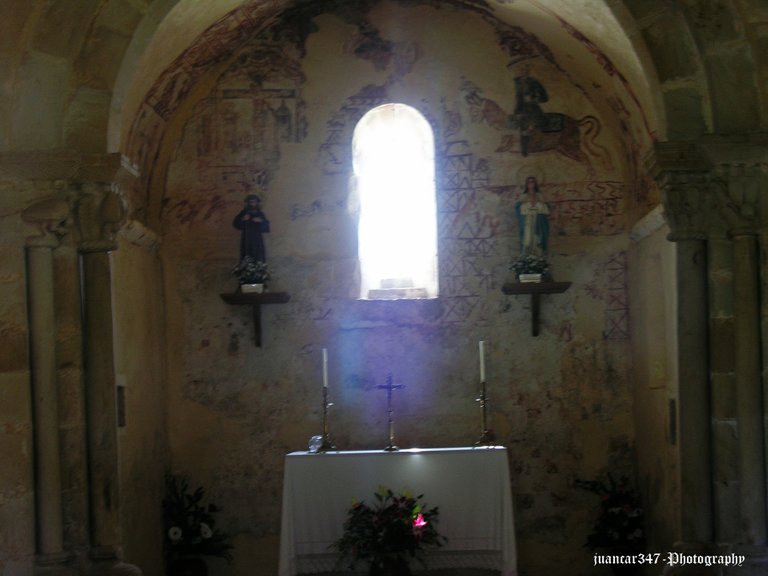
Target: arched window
{"points": [[394, 164]]}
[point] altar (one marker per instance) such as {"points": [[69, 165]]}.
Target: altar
{"points": [[470, 486]]}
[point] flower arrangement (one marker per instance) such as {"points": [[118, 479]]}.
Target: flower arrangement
{"points": [[620, 523], [190, 526], [530, 264], [395, 527], [251, 271]]}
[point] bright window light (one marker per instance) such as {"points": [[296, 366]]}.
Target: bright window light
{"points": [[394, 165]]}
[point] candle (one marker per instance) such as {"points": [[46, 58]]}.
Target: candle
{"points": [[325, 368], [482, 361]]}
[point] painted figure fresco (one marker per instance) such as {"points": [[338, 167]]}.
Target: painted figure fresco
{"points": [[528, 116], [537, 130], [533, 220], [252, 224]]}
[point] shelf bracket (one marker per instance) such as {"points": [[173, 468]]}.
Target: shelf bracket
{"points": [[535, 289], [535, 313], [255, 301]]}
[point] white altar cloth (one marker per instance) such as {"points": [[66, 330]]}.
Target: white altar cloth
{"points": [[469, 485]]}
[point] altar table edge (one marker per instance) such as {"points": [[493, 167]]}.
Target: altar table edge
{"points": [[316, 497]]}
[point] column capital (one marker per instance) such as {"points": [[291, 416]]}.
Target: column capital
{"points": [[99, 212], [89, 195], [739, 189], [50, 217], [683, 176], [99, 205]]}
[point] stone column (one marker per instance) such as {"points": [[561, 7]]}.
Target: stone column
{"points": [[682, 176], [749, 393], [763, 262], [693, 377], [48, 216], [739, 205], [100, 213], [101, 401]]}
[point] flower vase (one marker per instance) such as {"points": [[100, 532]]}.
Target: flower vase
{"points": [[390, 566], [529, 277], [252, 288], [191, 566]]}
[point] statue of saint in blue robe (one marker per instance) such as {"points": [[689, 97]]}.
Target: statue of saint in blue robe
{"points": [[533, 220]]}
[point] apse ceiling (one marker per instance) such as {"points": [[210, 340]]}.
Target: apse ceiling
{"points": [[584, 36], [87, 60]]}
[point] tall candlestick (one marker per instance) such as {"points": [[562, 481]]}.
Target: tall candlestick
{"points": [[487, 437], [325, 368], [325, 438], [482, 361]]}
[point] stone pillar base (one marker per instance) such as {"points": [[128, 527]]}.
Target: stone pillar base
{"points": [[114, 568], [756, 563], [105, 561], [57, 564]]}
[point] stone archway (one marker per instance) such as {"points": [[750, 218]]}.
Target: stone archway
{"points": [[62, 84]]}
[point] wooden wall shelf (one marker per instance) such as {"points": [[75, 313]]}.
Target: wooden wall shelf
{"points": [[256, 300], [535, 289]]}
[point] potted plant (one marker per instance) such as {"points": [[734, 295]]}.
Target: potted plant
{"points": [[619, 525], [190, 529], [386, 534], [530, 268], [252, 274]]}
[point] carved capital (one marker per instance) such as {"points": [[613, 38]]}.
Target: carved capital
{"points": [[101, 206], [50, 217], [687, 204], [90, 196], [739, 190], [683, 176], [100, 212]]}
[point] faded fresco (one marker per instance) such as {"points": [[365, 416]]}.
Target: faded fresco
{"points": [[530, 130], [278, 122]]}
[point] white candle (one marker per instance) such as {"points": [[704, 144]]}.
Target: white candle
{"points": [[325, 368], [482, 361]]}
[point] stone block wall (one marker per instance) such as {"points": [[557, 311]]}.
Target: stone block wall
{"points": [[655, 395]]}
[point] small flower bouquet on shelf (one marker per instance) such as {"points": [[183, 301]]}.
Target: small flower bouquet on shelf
{"points": [[531, 268], [190, 526], [389, 532], [251, 271]]}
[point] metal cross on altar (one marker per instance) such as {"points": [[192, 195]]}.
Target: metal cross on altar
{"points": [[389, 387]]}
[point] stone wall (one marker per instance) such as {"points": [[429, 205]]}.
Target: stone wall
{"points": [[140, 368], [654, 355], [16, 443]]}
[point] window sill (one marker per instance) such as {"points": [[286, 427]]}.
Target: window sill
{"points": [[397, 294]]}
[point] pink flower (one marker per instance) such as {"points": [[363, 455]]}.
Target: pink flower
{"points": [[419, 521], [175, 534]]}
